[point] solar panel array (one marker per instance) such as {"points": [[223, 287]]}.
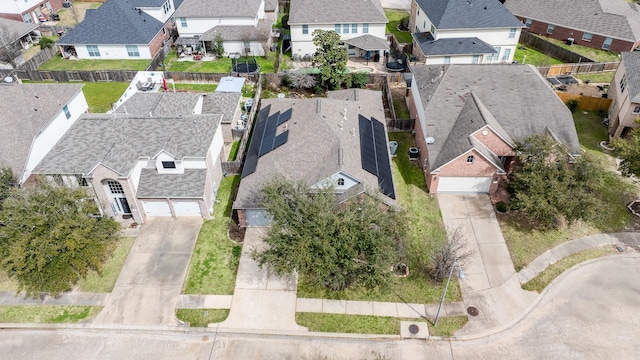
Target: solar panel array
{"points": [[264, 138], [374, 153]]}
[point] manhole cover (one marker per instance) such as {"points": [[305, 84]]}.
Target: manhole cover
{"points": [[472, 311], [414, 329]]}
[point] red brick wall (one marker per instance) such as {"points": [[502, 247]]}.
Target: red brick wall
{"points": [[15, 17], [563, 33], [156, 43], [493, 142], [460, 167]]}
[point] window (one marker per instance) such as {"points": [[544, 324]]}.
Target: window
{"points": [[305, 29], [475, 59], [506, 55], [470, 159], [166, 7], [418, 11], [496, 56], [93, 50], [27, 18], [169, 164], [365, 28], [528, 22], [607, 43], [115, 187], [636, 110], [433, 29], [183, 22], [587, 36], [512, 33], [623, 83], [345, 28], [340, 181], [337, 28], [354, 28], [550, 28], [132, 51], [82, 181], [66, 112], [447, 59], [424, 24]]}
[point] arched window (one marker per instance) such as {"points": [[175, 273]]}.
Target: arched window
{"points": [[340, 181], [470, 159]]}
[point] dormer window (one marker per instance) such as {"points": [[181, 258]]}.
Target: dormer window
{"points": [[168, 164], [340, 181], [470, 159]]}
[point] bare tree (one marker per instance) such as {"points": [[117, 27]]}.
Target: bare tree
{"points": [[10, 48], [75, 13], [265, 37], [301, 81], [443, 258]]}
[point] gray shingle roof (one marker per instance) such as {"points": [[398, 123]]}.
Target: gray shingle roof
{"points": [[218, 8], [270, 5], [15, 29], [160, 104], [631, 61], [468, 14], [614, 18], [190, 184], [150, 3], [318, 134], [222, 103], [118, 140], [452, 46], [114, 22], [336, 11], [261, 32], [24, 115], [459, 99], [368, 42]]}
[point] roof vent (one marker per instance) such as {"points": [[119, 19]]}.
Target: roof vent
{"points": [[430, 140]]}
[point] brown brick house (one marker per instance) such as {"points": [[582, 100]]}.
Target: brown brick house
{"points": [[469, 117]]}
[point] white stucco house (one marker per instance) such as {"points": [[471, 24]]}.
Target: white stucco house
{"points": [[463, 32], [243, 25], [361, 25], [35, 117]]}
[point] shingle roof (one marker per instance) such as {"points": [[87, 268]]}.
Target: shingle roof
{"points": [[150, 3], [118, 140], [160, 104], [15, 29], [114, 22], [153, 185], [631, 61], [368, 42], [452, 46], [30, 109], [218, 8], [270, 5], [222, 103], [320, 142], [335, 11], [468, 14], [459, 99], [614, 18], [261, 32]]}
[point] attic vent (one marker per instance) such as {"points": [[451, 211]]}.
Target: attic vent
{"points": [[340, 156]]}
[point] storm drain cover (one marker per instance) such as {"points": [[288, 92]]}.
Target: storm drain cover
{"points": [[414, 329], [473, 311]]}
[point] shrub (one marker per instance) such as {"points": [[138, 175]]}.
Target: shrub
{"points": [[301, 81], [45, 42], [502, 207], [572, 104], [360, 80]]}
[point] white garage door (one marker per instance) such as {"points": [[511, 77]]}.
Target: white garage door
{"points": [[464, 184], [186, 208], [156, 208]]}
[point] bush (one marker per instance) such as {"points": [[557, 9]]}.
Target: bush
{"points": [[502, 207], [572, 104], [285, 21], [360, 80], [45, 42], [285, 81]]}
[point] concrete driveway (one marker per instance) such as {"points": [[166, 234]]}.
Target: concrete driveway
{"points": [[151, 279]]}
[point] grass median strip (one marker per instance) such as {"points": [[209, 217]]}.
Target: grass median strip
{"points": [[547, 276], [105, 281], [49, 314], [202, 317]]}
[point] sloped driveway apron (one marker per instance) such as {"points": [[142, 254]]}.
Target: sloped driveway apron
{"points": [[151, 279]]}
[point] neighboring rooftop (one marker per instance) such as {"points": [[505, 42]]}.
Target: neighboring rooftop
{"points": [[261, 32], [468, 14], [118, 141], [452, 46], [114, 22], [218, 8], [459, 99], [160, 104], [230, 84], [30, 110], [336, 11], [614, 18], [14, 29], [631, 61], [222, 103]]}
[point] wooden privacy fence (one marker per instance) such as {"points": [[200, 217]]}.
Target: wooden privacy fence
{"points": [[551, 49], [40, 58], [400, 125], [586, 102], [579, 68], [231, 167]]}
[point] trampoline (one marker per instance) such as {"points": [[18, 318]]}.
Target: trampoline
{"points": [[245, 66], [562, 80], [395, 66]]}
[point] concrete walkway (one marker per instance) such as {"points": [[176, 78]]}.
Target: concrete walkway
{"points": [[9, 298], [552, 256]]}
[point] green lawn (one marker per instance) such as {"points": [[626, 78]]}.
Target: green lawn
{"points": [[526, 243], [533, 57], [193, 87], [381, 325], [597, 55], [101, 95], [425, 231], [235, 146], [222, 65], [59, 63], [547, 276], [105, 281], [400, 104], [202, 317], [603, 77], [214, 263], [394, 17], [54, 314]]}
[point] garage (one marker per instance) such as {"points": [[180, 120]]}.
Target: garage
{"points": [[257, 217], [464, 184], [156, 208], [186, 208]]}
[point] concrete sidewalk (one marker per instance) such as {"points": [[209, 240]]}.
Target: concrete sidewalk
{"points": [[9, 298]]}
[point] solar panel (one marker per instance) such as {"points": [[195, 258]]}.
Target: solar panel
{"points": [[285, 116], [281, 139], [269, 134], [251, 161], [367, 146], [375, 153]]}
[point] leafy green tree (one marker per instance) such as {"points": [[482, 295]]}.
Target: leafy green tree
{"points": [[49, 238], [7, 181], [550, 186], [333, 246], [331, 57], [628, 151]]}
